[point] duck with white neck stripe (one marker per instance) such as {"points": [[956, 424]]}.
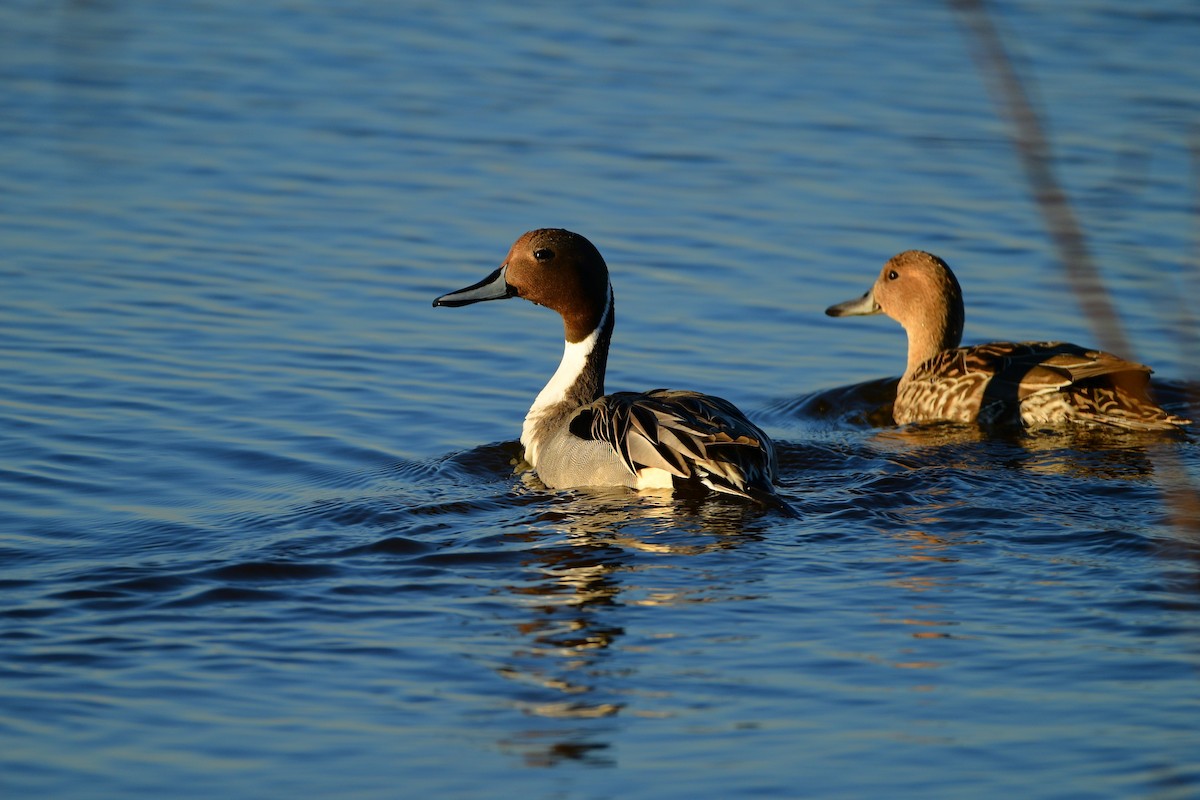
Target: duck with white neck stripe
{"points": [[575, 435]]}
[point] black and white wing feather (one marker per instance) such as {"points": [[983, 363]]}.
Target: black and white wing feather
{"points": [[687, 434]]}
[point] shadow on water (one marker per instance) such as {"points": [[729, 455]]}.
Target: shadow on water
{"points": [[866, 404]]}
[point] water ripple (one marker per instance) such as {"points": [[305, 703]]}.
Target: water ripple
{"points": [[260, 502]]}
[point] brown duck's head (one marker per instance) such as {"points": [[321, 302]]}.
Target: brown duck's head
{"points": [[551, 267], [918, 290]]}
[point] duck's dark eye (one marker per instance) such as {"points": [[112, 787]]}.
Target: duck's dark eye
{"points": [[893, 275], [543, 254]]}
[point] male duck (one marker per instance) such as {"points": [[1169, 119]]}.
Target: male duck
{"points": [[574, 434], [1034, 383]]}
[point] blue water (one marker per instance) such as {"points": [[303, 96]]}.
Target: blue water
{"points": [[260, 530]]}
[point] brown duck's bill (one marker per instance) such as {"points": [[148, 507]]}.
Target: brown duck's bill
{"points": [[859, 306], [493, 287]]}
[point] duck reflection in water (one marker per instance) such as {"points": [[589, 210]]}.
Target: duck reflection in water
{"points": [[603, 555]]}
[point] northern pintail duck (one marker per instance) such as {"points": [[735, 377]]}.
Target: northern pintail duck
{"points": [[574, 434], [1034, 383]]}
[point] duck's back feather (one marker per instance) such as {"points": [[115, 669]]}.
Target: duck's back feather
{"points": [[1032, 383], [688, 434]]}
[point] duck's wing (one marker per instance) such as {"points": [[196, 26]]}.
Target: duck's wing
{"points": [[688, 434], [1038, 367], [1049, 383]]}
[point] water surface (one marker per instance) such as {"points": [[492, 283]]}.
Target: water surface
{"points": [[260, 526]]}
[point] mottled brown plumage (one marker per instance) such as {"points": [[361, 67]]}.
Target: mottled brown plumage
{"points": [[1036, 384]]}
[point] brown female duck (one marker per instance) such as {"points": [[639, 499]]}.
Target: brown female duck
{"points": [[1037, 384]]}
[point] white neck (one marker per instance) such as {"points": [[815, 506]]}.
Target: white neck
{"points": [[575, 363]]}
